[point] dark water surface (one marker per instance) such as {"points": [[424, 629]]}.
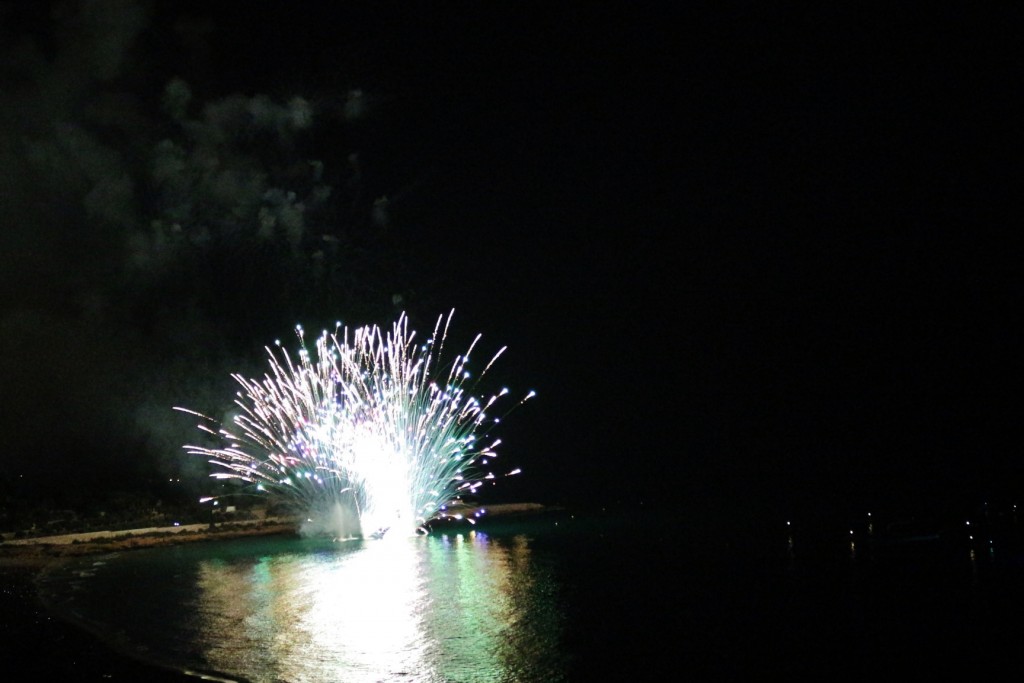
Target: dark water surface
{"points": [[562, 596]]}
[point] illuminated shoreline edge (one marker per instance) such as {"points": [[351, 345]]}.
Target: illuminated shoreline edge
{"points": [[226, 530]]}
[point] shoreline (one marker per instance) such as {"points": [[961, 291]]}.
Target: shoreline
{"points": [[42, 550]]}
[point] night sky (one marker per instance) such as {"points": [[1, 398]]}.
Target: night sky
{"points": [[755, 260]]}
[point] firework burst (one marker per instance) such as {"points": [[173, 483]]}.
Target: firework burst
{"points": [[374, 427]]}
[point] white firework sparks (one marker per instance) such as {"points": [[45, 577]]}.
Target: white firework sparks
{"points": [[368, 427]]}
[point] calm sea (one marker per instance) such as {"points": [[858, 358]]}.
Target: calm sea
{"points": [[561, 597]]}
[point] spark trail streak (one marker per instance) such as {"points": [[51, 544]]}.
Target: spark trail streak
{"points": [[370, 428]]}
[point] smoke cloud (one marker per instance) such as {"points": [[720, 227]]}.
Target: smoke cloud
{"points": [[153, 240]]}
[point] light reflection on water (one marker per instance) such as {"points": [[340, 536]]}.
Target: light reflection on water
{"points": [[595, 598], [355, 615], [456, 607]]}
